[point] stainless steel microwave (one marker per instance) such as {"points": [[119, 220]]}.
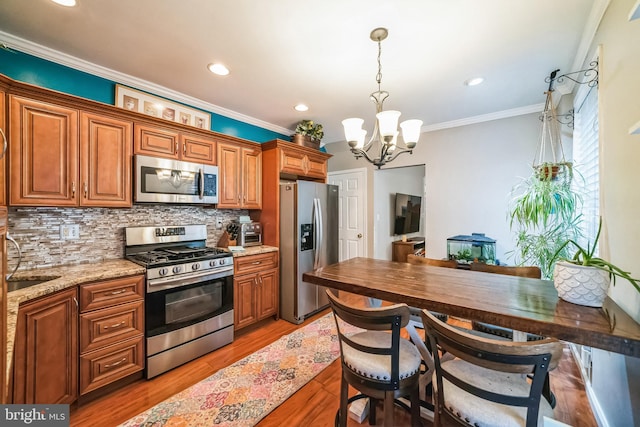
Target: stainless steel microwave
{"points": [[160, 180]]}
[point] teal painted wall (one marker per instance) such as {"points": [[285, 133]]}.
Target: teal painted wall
{"points": [[30, 69]]}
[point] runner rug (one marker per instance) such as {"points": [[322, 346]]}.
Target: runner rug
{"points": [[245, 392]]}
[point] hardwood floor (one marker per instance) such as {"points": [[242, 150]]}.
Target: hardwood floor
{"points": [[314, 404]]}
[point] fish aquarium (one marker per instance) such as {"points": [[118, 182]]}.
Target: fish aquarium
{"points": [[472, 248]]}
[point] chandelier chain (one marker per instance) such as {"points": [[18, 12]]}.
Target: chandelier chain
{"points": [[379, 75]]}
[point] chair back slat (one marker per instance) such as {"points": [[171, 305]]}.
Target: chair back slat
{"points": [[531, 271], [420, 260]]}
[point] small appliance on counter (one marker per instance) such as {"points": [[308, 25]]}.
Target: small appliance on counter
{"points": [[250, 234]]}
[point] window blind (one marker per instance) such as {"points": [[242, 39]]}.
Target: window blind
{"points": [[586, 154]]}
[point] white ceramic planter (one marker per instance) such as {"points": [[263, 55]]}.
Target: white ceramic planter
{"points": [[581, 285]]}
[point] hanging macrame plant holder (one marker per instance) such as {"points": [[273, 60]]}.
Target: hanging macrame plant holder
{"points": [[549, 162]]}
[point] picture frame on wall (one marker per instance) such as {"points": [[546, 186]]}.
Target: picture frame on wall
{"points": [[142, 102]]}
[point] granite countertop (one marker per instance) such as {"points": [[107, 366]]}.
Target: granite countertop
{"points": [[65, 276], [255, 250]]}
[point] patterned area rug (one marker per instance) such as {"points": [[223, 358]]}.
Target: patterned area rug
{"points": [[245, 392]]}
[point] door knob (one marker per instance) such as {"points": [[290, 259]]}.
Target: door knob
{"points": [[359, 235]]}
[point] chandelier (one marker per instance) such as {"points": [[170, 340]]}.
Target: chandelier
{"points": [[385, 130]]}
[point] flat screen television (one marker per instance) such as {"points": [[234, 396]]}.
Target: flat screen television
{"points": [[407, 214]]}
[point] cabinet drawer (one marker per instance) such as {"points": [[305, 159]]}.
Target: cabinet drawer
{"points": [[101, 367], [111, 292], [252, 263], [107, 326]]}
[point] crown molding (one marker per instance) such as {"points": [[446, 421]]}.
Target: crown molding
{"points": [[58, 57], [520, 111]]}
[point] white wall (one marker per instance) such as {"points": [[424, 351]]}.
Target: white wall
{"points": [[470, 171], [616, 379], [388, 182]]}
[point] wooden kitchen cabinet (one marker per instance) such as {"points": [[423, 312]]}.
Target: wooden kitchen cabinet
{"points": [[4, 147], [3, 304], [45, 367], [284, 160], [240, 175], [256, 288], [171, 144], [111, 331], [43, 153], [52, 164]]}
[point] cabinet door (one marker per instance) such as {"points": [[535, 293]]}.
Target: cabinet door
{"points": [[267, 298], [154, 141], [244, 301], [105, 161], [229, 176], [198, 149], [4, 147], [292, 162], [46, 350], [43, 153], [316, 167], [251, 178]]}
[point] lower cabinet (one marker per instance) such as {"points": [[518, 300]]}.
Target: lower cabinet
{"points": [[45, 368], [67, 346], [256, 288]]}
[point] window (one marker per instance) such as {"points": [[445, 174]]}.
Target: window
{"points": [[586, 157]]}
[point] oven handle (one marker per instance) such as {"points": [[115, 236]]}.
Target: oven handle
{"points": [[201, 192], [163, 283]]}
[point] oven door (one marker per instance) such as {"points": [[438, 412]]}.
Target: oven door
{"points": [[173, 181], [176, 307]]}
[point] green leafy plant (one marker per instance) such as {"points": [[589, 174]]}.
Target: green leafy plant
{"points": [[586, 257], [544, 212], [311, 129]]}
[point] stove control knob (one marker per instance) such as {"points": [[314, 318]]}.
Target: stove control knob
{"points": [[177, 269], [213, 263], [163, 271], [195, 266], [223, 261]]}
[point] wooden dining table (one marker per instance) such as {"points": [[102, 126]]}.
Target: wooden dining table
{"points": [[523, 304]]}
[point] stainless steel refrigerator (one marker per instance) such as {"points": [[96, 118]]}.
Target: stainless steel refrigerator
{"points": [[308, 240]]}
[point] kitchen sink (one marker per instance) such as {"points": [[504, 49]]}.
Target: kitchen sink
{"points": [[15, 284]]}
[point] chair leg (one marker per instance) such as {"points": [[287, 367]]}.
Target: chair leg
{"points": [[388, 408], [373, 403], [415, 408], [344, 397]]}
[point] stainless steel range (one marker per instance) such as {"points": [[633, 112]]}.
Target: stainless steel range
{"points": [[189, 293]]}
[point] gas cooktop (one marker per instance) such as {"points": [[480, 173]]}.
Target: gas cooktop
{"points": [[171, 255]]}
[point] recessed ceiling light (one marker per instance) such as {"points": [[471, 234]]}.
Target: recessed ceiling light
{"points": [[301, 107], [67, 3], [218, 69], [474, 81]]}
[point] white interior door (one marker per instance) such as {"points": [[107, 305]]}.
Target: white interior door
{"points": [[352, 212]]}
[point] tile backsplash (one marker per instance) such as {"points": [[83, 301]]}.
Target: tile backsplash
{"points": [[37, 231]]}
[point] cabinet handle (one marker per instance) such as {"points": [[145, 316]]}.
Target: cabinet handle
{"points": [[4, 144], [120, 291], [114, 364], [76, 301], [86, 190], [176, 149], [184, 148], [73, 189], [117, 325], [256, 262], [260, 280]]}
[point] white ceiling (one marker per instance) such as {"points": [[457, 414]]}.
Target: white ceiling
{"points": [[283, 52]]}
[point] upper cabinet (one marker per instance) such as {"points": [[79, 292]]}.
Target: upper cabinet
{"points": [[169, 143], [240, 174], [4, 147], [52, 164]]}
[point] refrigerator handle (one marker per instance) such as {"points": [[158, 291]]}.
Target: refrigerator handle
{"points": [[318, 232]]}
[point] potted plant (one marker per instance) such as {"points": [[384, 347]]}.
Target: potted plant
{"points": [[544, 214], [584, 278], [308, 134]]}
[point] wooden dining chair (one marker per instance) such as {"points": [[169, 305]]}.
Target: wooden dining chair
{"points": [[489, 381], [417, 260], [380, 365]]}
